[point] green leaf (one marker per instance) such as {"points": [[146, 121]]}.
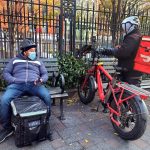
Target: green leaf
{"points": [[72, 69]]}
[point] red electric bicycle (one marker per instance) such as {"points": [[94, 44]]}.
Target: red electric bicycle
{"points": [[128, 111]]}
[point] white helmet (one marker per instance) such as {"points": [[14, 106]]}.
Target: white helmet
{"points": [[130, 23]]}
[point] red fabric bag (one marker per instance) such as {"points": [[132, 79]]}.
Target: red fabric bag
{"points": [[142, 58]]}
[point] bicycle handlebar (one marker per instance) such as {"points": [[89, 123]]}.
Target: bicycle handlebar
{"points": [[89, 49], [96, 53], [84, 50]]}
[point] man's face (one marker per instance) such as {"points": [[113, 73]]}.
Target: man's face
{"points": [[26, 53]]}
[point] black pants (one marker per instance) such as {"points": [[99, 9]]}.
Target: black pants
{"points": [[132, 77]]}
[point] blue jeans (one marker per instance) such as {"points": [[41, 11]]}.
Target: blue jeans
{"points": [[16, 90]]}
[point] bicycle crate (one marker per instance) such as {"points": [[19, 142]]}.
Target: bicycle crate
{"points": [[30, 120]]}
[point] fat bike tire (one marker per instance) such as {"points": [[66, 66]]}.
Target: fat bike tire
{"points": [[136, 114], [86, 93]]}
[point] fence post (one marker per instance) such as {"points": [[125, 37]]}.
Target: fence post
{"points": [[60, 48]]}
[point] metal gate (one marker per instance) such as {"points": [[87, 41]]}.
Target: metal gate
{"points": [[59, 26]]}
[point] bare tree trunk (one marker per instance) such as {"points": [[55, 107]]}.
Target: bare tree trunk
{"points": [[113, 22], [116, 10]]}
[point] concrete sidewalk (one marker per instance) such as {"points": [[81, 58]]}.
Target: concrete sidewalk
{"points": [[83, 129]]}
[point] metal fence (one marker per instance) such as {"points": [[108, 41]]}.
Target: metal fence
{"points": [[60, 26]]}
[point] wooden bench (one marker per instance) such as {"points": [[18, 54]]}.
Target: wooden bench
{"points": [[109, 64], [57, 81]]}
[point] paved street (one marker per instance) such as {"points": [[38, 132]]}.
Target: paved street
{"points": [[83, 129]]}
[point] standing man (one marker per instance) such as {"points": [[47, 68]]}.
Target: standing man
{"points": [[126, 51], [24, 74]]}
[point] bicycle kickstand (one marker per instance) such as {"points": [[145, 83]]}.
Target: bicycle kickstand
{"points": [[98, 106]]}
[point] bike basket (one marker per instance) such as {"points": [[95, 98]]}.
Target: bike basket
{"points": [[142, 59]]}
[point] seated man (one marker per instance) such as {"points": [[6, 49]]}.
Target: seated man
{"points": [[24, 74]]}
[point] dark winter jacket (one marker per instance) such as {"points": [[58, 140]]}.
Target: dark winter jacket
{"points": [[127, 51], [22, 70]]}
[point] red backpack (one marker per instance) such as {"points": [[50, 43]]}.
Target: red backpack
{"points": [[142, 58]]}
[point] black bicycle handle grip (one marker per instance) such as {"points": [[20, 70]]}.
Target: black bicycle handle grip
{"points": [[84, 50]]}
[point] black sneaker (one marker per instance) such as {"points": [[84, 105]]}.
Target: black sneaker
{"points": [[4, 133]]}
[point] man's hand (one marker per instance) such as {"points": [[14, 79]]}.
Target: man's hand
{"points": [[117, 46], [38, 81]]}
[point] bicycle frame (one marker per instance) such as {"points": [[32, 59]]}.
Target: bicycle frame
{"points": [[113, 87], [96, 71]]}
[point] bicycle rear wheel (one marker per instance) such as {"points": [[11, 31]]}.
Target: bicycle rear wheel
{"points": [[133, 119], [86, 89]]}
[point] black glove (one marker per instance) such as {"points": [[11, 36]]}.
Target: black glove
{"points": [[107, 52], [84, 50]]}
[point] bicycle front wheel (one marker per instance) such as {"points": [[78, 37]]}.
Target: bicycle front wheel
{"points": [[86, 89]]}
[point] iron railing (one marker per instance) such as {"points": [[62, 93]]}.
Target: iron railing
{"points": [[54, 28]]}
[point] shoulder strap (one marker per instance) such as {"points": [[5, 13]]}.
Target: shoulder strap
{"points": [[136, 36]]}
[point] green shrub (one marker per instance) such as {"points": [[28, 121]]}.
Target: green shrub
{"points": [[72, 69]]}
